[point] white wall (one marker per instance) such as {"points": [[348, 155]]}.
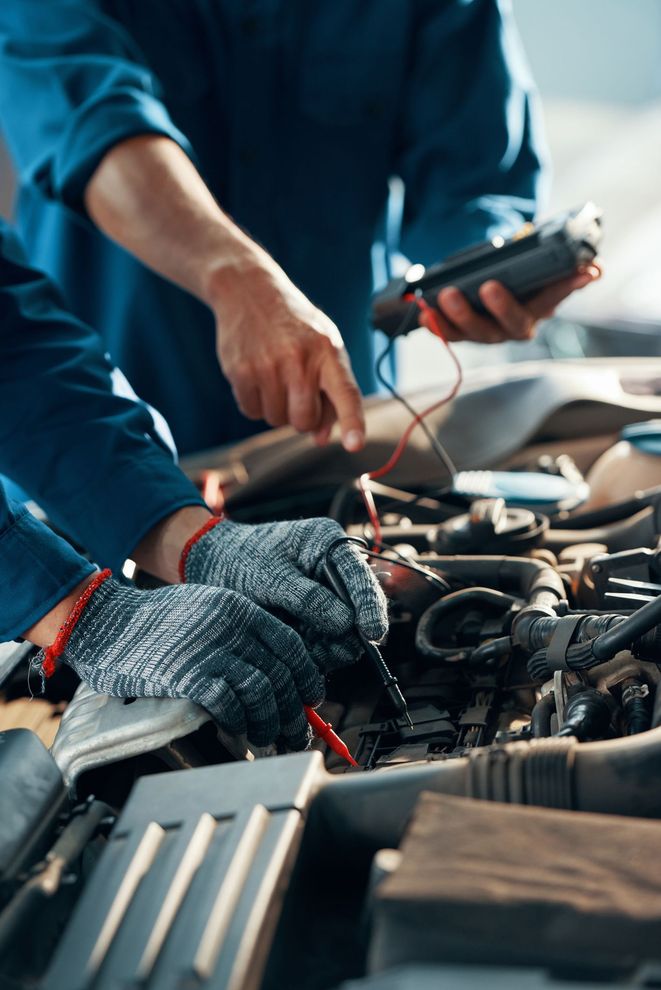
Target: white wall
{"points": [[603, 50]]}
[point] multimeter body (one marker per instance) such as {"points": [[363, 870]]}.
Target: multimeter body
{"points": [[535, 257]]}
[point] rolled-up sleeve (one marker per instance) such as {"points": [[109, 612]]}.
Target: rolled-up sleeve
{"points": [[471, 147], [37, 569], [90, 458], [80, 80]]}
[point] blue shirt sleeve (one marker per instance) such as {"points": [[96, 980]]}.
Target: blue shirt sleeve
{"points": [[82, 82], [37, 569], [91, 459], [472, 154]]}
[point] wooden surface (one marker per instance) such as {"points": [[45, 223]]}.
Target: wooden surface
{"points": [[42, 717]]}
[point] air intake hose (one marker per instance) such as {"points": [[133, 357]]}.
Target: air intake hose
{"points": [[616, 777]]}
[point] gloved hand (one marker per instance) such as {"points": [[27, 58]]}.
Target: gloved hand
{"points": [[249, 670], [280, 566]]}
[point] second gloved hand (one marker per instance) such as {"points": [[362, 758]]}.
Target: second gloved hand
{"points": [[249, 670], [280, 566]]}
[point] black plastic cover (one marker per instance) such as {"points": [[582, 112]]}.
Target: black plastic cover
{"points": [[32, 793], [188, 890]]}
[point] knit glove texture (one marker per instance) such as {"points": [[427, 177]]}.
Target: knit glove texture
{"points": [[249, 670], [280, 566]]}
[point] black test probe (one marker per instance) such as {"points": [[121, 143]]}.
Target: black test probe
{"points": [[389, 681]]}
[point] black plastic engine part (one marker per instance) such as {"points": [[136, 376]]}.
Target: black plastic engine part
{"points": [[608, 514], [640, 530], [587, 715], [490, 528], [191, 880], [409, 589], [540, 721], [609, 581], [526, 577], [464, 618], [31, 797], [533, 630], [45, 899], [393, 741], [579, 641], [420, 508], [625, 634]]}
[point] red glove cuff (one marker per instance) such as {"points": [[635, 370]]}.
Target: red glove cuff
{"points": [[209, 524], [53, 653]]}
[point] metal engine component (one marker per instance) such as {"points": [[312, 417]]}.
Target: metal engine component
{"points": [[97, 730]]}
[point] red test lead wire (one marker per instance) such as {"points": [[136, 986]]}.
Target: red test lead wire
{"points": [[434, 327], [325, 731]]}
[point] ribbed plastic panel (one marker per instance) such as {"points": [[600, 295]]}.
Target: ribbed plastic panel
{"points": [[188, 892]]}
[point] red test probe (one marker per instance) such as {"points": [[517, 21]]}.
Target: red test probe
{"points": [[325, 731]]}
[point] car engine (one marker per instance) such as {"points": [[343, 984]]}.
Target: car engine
{"points": [[525, 628], [534, 637]]}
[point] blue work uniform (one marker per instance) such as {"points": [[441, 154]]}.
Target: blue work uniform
{"points": [[89, 457], [297, 114]]}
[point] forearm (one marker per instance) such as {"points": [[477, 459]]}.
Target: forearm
{"points": [[147, 195], [283, 357], [160, 551], [44, 632]]}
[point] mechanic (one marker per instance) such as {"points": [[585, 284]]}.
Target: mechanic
{"points": [[93, 461], [131, 119]]}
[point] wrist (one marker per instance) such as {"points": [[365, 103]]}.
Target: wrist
{"points": [[44, 632], [159, 553], [231, 277]]}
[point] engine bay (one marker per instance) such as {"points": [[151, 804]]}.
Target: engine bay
{"points": [[498, 646], [499, 583], [488, 647], [525, 618]]}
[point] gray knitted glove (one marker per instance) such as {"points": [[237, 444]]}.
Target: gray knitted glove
{"points": [[280, 566], [249, 670]]}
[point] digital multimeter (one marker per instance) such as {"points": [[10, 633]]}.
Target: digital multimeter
{"points": [[533, 258]]}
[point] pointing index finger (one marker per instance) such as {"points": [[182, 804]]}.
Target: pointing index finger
{"points": [[339, 385]]}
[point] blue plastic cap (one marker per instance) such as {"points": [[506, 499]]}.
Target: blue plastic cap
{"points": [[645, 437], [547, 493]]}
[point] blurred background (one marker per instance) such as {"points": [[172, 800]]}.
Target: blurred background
{"points": [[598, 68], [597, 64]]}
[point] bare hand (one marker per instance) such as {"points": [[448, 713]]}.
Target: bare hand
{"points": [[508, 319], [283, 357]]}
